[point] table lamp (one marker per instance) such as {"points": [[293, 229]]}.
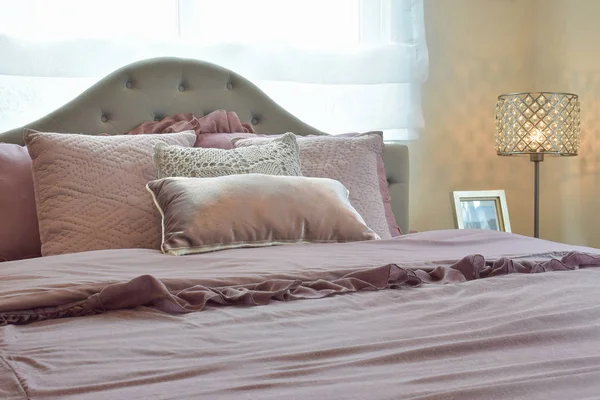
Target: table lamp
{"points": [[538, 124]]}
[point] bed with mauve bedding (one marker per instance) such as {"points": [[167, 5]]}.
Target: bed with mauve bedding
{"points": [[452, 314], [410, 317]]}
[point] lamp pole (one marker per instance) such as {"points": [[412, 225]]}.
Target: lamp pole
{"points": [[536, 158]]}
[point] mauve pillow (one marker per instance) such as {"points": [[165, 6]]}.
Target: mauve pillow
{"points": [[91, 190], [383, 187], [253, 210], [356, 161], [19, 233]]}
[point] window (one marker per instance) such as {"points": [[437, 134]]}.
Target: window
{"points": [[340, 65]]}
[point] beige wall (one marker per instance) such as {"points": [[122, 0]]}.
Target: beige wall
{"points": [[479, 49], [567, 44]]}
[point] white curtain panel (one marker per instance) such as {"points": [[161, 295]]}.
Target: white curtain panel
{"points": [[339, 65]]}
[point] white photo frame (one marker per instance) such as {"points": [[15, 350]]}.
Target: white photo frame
{"points": [[481, 209]]}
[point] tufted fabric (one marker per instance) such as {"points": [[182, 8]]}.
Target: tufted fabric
{"points": [[156, 88], [279, 157], [91, 190], [349, 160], [254, 210]]}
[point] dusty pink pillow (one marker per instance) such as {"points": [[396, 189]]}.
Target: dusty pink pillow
{"points": [[19, 234], [91, 190], [356, 160], [383, 189]]}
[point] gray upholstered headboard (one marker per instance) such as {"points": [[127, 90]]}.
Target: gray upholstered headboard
{"points": [[155, 88]]}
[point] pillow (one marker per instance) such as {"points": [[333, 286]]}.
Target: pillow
{"points": [[91, 190], [278, 157], [19, 234], [253, 210], [355, 161], [383, 186]]}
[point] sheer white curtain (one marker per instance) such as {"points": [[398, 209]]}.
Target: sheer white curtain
{"points": [[340, 65]]}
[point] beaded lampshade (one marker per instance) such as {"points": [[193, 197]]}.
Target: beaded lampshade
{"points": [[537, 123]]}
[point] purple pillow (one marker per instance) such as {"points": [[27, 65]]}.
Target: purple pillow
{"points": [[19, 233]]}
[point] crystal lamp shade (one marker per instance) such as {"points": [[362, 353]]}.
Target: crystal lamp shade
{"points": [[529, 123]]}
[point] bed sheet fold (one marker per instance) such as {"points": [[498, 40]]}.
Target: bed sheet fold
{"points": [[192, 294]]}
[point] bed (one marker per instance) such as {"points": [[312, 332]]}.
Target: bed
{"points": [[450, 314]]}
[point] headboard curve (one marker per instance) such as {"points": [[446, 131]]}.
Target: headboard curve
{"points": [[159, 87]]}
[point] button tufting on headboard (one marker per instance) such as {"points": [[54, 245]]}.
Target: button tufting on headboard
{"points": [[104, 118], [181, 88], [157, 117], [229, 86], [254, 121], [129, 85]]}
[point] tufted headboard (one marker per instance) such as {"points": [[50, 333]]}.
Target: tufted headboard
{"points": [[155, 88]]}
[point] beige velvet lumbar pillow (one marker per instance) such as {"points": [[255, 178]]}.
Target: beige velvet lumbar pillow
{"points": [[91, 190], [278, 157], [254, 210]]}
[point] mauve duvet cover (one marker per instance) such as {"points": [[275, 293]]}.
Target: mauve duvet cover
{"points": [[435, 315]]}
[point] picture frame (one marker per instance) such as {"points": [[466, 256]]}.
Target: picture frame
{"points": [[481, 209]]}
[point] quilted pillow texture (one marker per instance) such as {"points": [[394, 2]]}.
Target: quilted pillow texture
{"points": [[254, 210], [19, 234], [278, 157], [351, 160], [91, 190]]}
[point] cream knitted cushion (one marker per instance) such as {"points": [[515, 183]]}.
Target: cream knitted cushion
{"points": [[278, 157]]}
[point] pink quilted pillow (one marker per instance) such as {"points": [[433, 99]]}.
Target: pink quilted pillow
{"points": [[383, 188], [356, 161], [19, 234], [91, 190]]}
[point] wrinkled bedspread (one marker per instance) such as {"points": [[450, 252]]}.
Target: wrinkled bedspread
{"points": [[435, 315]]}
